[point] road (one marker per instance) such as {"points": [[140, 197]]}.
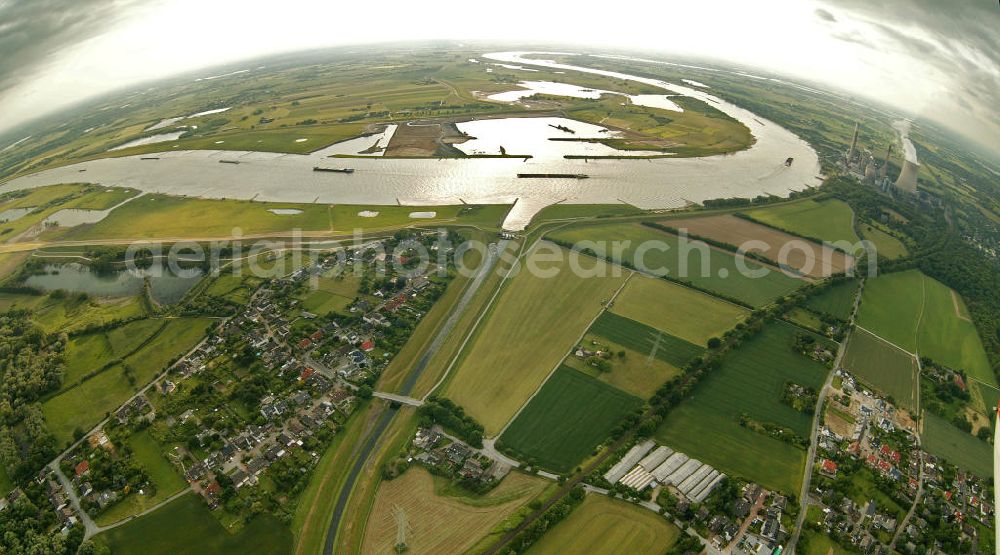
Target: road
{"points": [[398, 398], [386, 418], [814, 434], [916, 498]]}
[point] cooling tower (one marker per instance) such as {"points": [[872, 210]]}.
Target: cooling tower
{"points": [[907, 180]]}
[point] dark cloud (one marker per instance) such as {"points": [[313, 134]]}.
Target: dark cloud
{"points": [[825, 15], [33, 31], [959, 39]]}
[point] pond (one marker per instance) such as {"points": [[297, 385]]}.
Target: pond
{"points": [[150, 140], [167, 287], [11, 214]]}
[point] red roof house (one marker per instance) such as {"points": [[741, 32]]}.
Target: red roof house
{"points": [[368, 346], [83, 468]]}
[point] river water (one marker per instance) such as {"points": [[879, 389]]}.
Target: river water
{"points": [[646, 183]]}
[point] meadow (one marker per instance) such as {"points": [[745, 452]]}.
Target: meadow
{"points": [[440, 523], [88, 353], [885, 368], [569, 417], [750, 382], [960, 448], [922, 315], [565, 211], [186, 526], [630, 371], [53, 313], [827, 220], [706, 268], [836, 300], [680, 311], [166, 480], [809, 257], [605, 525], [531, 327], [85, 404], [886, 245]]}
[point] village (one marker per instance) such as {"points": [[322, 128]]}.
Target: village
{"points": [[252, 406]]}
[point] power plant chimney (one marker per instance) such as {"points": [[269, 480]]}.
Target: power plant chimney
{"points": [[907, 180], [854, 144], [885, 164]]}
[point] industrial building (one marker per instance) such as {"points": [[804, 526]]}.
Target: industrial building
{"points": [[664, 467]]}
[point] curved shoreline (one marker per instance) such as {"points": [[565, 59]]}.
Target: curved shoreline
{"points": [[657, 183]]}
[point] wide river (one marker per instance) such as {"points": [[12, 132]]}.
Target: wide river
{"points": [[646, 183]]}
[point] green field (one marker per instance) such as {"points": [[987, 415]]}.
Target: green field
{"points": [[940, 438], [186, 526], [812, 542], [828, 220], [163, 216], [571, 211], [166, 480], [635, 372], [750, 382], [84, 405], [836, 300], [886, 245], [924, 316], [644, 339], [804, 318], [534, 323], [885, 368], [604, 525], [570, 416], [330, 294], [680, 311], [54, 314], [88, 353], [717, 271]]}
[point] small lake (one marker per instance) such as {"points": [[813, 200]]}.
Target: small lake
{"points": [[11, 214], [152, 139], [531, 88], [367, 145], [167, 287], [534, 136], [285, 211]]}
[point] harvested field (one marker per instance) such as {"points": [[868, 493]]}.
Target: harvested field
{"points": [[680, 311], [808, 257], [604, 525], [437, 523], [414, 139], [885, 368], [533, 325]]}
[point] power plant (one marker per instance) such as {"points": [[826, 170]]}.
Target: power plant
{"points": [[867, 169]]}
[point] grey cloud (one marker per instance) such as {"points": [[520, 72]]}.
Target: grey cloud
{"points": [[854, 37], [33, 31], [825, 15]]}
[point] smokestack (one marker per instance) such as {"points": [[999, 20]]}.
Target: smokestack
{"points": [[854, 144], [907, 180], [885, 164]]}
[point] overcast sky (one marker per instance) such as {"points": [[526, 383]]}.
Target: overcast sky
{"points": [[939, 59]]}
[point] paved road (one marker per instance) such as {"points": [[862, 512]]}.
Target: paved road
{"points": [[916, 498], [386, 418], [813, 438]]}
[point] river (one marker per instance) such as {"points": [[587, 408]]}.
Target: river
{"points": [[646, 183]]}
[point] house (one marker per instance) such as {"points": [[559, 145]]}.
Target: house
{"points": [[305, 343], [368, 346], [82, 468], [828, 467]]}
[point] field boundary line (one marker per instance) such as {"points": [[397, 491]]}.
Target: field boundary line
{"points": [[884, 340], [565, 356]]}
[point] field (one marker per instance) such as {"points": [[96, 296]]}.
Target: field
{"points": [[53, 314], [186, 526], [646, 341], [750, 382], [330, 295], [534, 323], [886, 245], [162, 216], [806, 256], [680, 311], [86, 404], [635, 372], [812, 542], [827, 220], [604, 525], [706, 268], [571, 415], [88, 353], [924, 316], [836, 300], [940, 438], [885, 368], [804, 318], [149, 454], [441, 523], [564, 211]]}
